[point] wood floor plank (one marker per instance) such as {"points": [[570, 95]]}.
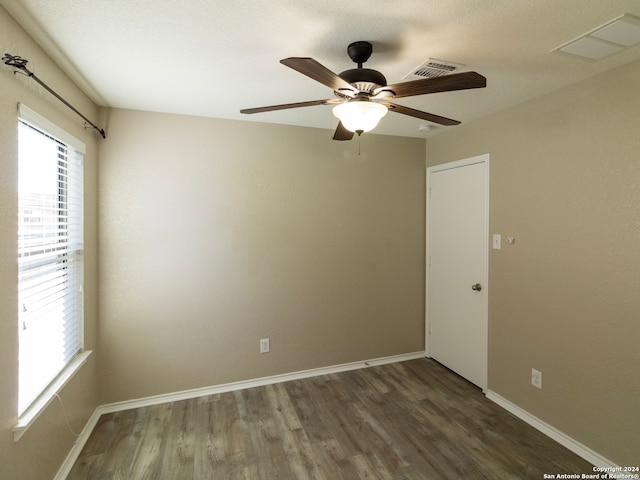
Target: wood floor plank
{"points": [[118, 454], [148, 454], [258, 424], [369, 467], [410, 420], [178, 460], [301, 455], [280, 401]]}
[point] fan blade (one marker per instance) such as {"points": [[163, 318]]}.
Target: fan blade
{"points": [[446, 83], [394, 107], [342, 133], [320, 73], [284, 106]]}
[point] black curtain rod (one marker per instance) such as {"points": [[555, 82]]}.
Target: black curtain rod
{"points": [[21, 63]]}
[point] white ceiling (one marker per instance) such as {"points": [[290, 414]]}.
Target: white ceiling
{"points": [[213, 57]]}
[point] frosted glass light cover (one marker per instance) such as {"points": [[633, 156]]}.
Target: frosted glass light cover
{"points": [[359, 116]]}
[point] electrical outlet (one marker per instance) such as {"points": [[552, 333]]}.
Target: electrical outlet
{"points": [[264, 345], [536, 378]]}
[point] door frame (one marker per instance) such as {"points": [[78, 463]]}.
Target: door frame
{"points": [[485, 159]]}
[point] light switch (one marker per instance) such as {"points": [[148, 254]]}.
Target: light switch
{"points": [[497, 241]]}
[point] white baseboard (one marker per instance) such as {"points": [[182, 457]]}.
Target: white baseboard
{"points": [[576, 447], [227, 387], [257, 382]]}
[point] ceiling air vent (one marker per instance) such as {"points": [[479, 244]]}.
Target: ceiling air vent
{"points": [[433, 68]]}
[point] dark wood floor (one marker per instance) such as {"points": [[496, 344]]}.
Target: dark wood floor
{"points": [[409, 420]]}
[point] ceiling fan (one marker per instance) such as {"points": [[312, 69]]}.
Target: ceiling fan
{"points": [[362, 94]]}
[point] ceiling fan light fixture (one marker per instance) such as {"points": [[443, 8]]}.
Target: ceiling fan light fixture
{"points": [[359, 115], [364, 94]]}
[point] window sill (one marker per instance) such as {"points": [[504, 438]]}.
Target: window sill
{"points": [[33, 412]]}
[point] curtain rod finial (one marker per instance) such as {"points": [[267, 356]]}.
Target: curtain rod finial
{"points": [[15, 61]]}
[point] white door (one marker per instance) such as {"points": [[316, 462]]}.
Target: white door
{"points": [[457, 251]]}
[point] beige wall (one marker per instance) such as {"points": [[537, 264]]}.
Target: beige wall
{"points": [[215, 233], [42, 449], [565, 297]]}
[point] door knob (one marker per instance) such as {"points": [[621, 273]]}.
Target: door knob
{"points": [[477, 287]]}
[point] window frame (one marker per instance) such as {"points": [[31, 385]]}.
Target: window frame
{"points": [[37, 406]]}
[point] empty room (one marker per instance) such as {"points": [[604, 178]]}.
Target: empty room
{"points": [[319, 239]]}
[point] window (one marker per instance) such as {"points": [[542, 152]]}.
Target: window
{"points": [[50, 254]]}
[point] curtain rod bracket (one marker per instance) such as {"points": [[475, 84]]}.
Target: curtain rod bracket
{"points": [[21, 64]]}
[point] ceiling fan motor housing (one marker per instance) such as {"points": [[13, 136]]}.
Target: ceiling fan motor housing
{"points": [[364, 79]]}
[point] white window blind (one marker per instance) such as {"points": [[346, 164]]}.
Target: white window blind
{"points": [[50, 253]]}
